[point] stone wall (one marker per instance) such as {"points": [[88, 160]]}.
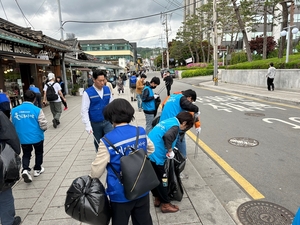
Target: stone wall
{"points": [[284, 79]]}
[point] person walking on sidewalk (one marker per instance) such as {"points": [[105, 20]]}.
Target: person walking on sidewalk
{"points": [[164, 136], [148, 102], [270, 77], [55, 105], [168, 81], [120, 85], [8, 136], [63, 91], [140, 84], [30, 123], [132, 86], [90, 81], [120, 113], [94, 100], [178, 103], [38, 97]]}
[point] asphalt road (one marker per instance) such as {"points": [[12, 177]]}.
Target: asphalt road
{"points": [[272, 166]]}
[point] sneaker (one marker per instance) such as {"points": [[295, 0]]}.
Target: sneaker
{"points": [[57, 122], [38, 172], [183, 176], [17, 220], [65, 108], [54, 123], [26, 176]]}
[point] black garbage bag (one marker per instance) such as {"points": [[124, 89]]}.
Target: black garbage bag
{"points": [[10, 164], [175, 189], [179, 161], [87, 202]]}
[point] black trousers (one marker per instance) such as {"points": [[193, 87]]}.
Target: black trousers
{"points": [[138, 209], [168, 87], [270, 83], [39, 151], [160, 191]]}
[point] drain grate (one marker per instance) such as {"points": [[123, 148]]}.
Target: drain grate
{"points": [[255, 114], [264, 213], [243, 142]]}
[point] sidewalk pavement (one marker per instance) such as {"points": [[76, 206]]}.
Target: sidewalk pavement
{"points": [[69, 152]]}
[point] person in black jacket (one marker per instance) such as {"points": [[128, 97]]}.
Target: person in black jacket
{"points": [[168, 81], [9, 141], [63, 90]]}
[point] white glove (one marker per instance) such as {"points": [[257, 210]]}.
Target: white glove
{"points": [[198, 113], [89, 129], [198, 130], [170, 155], [156, 96]]}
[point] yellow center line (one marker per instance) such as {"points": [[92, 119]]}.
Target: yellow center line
{"points": [[249, 188]]}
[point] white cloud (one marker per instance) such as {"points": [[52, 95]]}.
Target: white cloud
{"points": [[147, 32]]}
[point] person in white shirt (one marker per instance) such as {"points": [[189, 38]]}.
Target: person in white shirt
{"points": [[270, 76], [94, 100], [55, 105]]}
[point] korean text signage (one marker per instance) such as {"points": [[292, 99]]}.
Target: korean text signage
{"points": [[15, 49]]}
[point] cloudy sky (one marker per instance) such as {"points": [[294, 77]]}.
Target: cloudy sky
{"points": [[42, 15]]}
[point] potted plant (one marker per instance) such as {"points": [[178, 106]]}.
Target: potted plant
{"points": [[74, 90]]}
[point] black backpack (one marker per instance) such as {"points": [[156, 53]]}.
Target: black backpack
{"points": [[50, 93]]}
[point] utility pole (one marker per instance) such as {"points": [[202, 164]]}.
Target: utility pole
{"points": [[63, 54], [215, 39], [165, 22]]}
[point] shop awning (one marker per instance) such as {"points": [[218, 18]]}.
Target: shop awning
{"points": [[20, 59]]}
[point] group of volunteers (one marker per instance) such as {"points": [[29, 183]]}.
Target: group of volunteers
{"points": [[23, 127], [103, 116], [108, 118]]}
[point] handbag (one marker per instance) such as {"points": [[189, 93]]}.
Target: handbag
{"points": [[137, 174], [86, 201]]}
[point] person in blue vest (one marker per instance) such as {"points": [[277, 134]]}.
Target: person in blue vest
{"points": [[63, 91], [132, 86], [178, 103], [38, 95], [120, 113], [30, 123], [5, 104], [8, 136], [94, 100], [164, 136], [148, 101]]}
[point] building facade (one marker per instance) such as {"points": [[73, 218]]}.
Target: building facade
{"points": [[109, 50]]}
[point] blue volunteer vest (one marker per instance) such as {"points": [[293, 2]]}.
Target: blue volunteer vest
{"points": [[148, 106], [25, 120], [121, 137], [34, 89], [172, 107], [97, 104], [156, 136]]}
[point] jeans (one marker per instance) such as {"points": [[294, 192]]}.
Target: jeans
{"points": [[181, 145], [56, 111], [99, 130], [149, 119], [139, 100], [38, 100], [7, 207], [38, 151]]}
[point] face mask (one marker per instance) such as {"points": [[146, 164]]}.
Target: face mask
{"points": [[153, 87]]}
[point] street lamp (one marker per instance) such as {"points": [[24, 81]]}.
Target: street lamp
{"points": [[284, 33]]}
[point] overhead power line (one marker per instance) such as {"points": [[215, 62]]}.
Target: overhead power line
{"points": [[123, 20], [4, 10], [23, 15]]}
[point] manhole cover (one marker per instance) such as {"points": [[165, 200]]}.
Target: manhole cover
{"points": [[255, 114], [264, 213], [243, 142]]}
